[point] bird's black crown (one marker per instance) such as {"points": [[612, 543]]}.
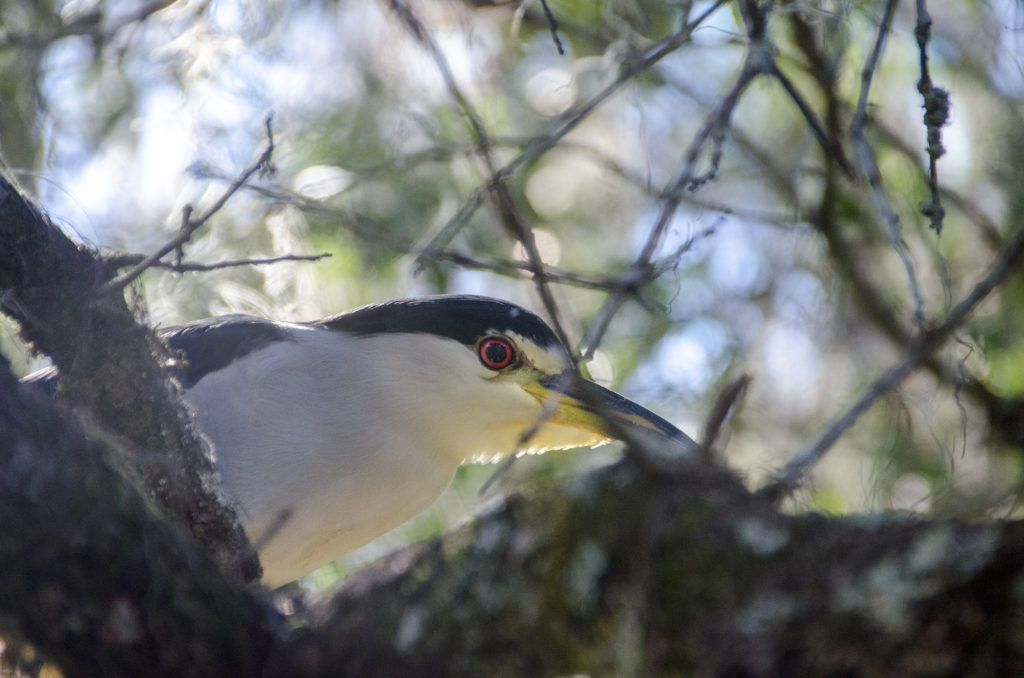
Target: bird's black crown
{"points": [[464, 318]]}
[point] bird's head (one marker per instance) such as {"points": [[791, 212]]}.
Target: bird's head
{"points": [[491, 378]]}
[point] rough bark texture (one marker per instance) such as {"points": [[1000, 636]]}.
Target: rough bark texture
{"points": [[109, 373], [622, 573], [94, 577]]}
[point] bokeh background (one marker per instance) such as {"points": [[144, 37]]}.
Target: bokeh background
{"points": [[776, 262]]}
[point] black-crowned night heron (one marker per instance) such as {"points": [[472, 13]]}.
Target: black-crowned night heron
{"points": [[330, 433]]}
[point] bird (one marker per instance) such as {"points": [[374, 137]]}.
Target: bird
{"points": [[329, 433]]}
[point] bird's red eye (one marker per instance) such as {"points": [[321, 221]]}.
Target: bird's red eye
{"points": [[496, 352]]}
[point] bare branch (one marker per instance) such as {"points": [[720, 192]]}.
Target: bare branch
{"points": [[921, 347], [629, 280], [191, 267], [724, 405], [553, 25], [263, 165], [572, 118], [1003, 413], [757, 62], [867, 162], [830, 146]]}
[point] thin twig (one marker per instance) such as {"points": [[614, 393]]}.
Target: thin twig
{"points": [[547, 410], [757, 62], [193, 267], [686, 179], [506, 267], [919, 349], [724, 405], [866, 158], [553, 27], [830, 146], [629, 283], [189, 225]]}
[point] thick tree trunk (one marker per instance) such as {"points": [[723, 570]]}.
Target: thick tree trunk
{"points": [[110, 374], [94, 577]]}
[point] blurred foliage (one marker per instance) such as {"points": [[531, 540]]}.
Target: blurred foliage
{"points": [[120, 113]]}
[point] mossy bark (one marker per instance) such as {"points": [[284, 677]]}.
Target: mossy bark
{"points": [[111, 374], [622, 573]]}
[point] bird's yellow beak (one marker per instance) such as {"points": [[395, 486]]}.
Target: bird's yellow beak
{"points": [[582, 404]]}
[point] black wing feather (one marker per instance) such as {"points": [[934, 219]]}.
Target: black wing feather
{"points": [[211, 344], [462, 317]]}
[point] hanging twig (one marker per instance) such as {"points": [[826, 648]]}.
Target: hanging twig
{"points": [[936, 114]]}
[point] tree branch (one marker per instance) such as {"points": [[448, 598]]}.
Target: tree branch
{"points": [[93, 575], [626, 573], [926, 343], [571, 119], [120, 260], [110, 373], [189, 225], [866, 158], [506, 205]]}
